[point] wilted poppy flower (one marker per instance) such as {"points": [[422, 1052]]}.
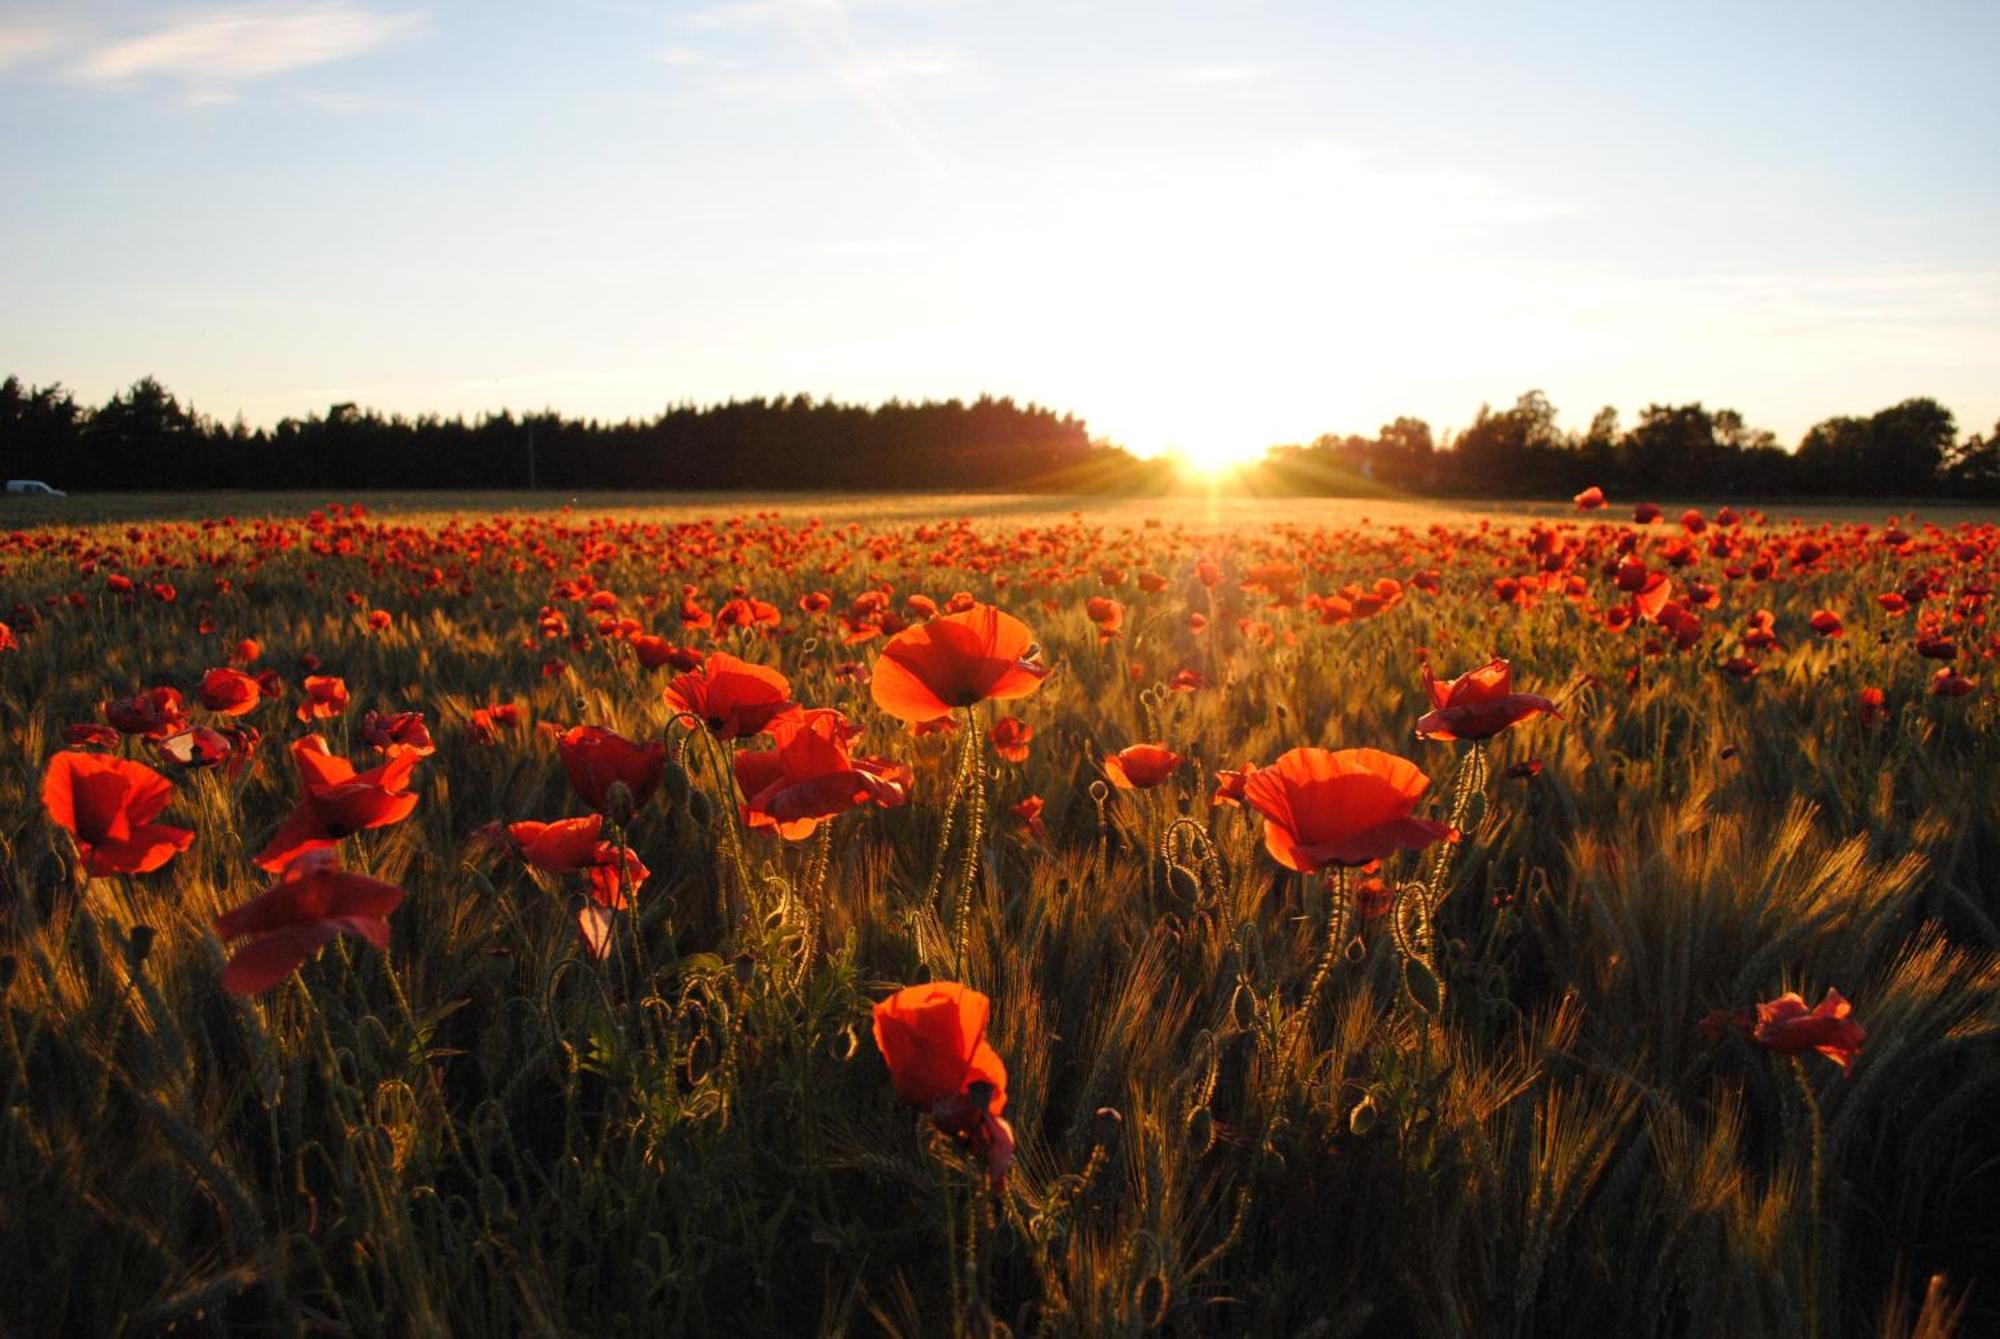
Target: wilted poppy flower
{"points": [[153, 713], [229, 692], [597, 759], [398, 732], [1140, 766], [108, 805], [337, 801], [1010, 736], [326, 696], [299, 916], [810, 776], [933, 1038], [952, 661], [1349, 807], [1478, 704], [733, 698], [1786, 1027]]}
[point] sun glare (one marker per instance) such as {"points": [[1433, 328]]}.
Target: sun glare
{"points": [[1210, 459]]}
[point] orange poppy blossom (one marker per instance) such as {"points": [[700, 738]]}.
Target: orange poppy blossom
{"points": [[1787, 1027], [391, 733], [326, 696], [1229, 785], [933, 1038], [733, 698], [1010, 736], [108, 805], [1323, 807], [293, 919], [1141, 766], [337, 802], [810, 776], [596, 759], [1478, 704], [228, 692], [955, 660]]}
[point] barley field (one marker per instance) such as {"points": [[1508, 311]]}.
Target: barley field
{"points": [[959, 915]]}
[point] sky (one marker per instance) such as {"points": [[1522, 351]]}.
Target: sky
{"points": [[1200, 227]]}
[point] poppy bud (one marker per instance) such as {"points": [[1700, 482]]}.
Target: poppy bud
{"points": [[138, 946], [700, 809], [745, 969], [1363, 1118], [1200, 1131], [1109, 1124], [674, 780], [1185, 886]]}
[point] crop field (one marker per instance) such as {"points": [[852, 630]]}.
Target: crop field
{"points": [[927, 916]]}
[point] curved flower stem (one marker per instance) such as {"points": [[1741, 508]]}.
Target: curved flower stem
{"points": [[1336, 940]]}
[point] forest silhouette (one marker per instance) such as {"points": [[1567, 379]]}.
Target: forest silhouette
{"points": [[145, 439]]}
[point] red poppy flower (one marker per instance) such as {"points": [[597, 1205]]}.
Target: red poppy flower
{"points": [[1029, 811], [1786, 1027], [154, 713], [654, 652], [596, 759], [337, 801], [933, 1038], [229, 692], [1140, 766], [1348, 807], [1826, 623], [398, 732], [955, 660], [1590, 499], [1646, 513], [108, 805], [1010, 736], [1869, 708], [809, 775], [1107, 614], [1478, 704], [733, 698], [1229, 785], [299, 916], [566, 846], [326, 696], [248, 652], [1948, 682]]}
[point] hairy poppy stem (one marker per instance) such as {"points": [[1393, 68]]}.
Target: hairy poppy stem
{"points": [[1815, 1197], [974, 789]]}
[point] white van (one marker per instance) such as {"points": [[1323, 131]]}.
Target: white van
{"points": [[33, 488]]}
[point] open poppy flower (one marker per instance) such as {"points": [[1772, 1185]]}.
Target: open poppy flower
{"points": [[733, 698], [1029, 812], [326, 696], [392, 733], [108, 804], [566, 846], [933, 1038], [1590, 499], [229, 692], [810, 775], [1788, 1028], [338, 802], [153, 713], [1010, 736], [1349, 807], [952, 661], [1478, 704], [597, 759], [1140, 766], [300, 915]]}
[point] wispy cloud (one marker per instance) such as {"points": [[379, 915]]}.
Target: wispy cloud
{"points": [[213, 49], [1208, 75], [22, 43]]}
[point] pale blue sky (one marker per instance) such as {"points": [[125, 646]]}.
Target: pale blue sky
{"points": [[1214, 225]]}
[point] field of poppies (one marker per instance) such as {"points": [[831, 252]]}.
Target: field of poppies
{"points": [[758, 921]]}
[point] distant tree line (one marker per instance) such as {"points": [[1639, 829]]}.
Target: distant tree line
{"points": [[144, 438], [1908, 449]]}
